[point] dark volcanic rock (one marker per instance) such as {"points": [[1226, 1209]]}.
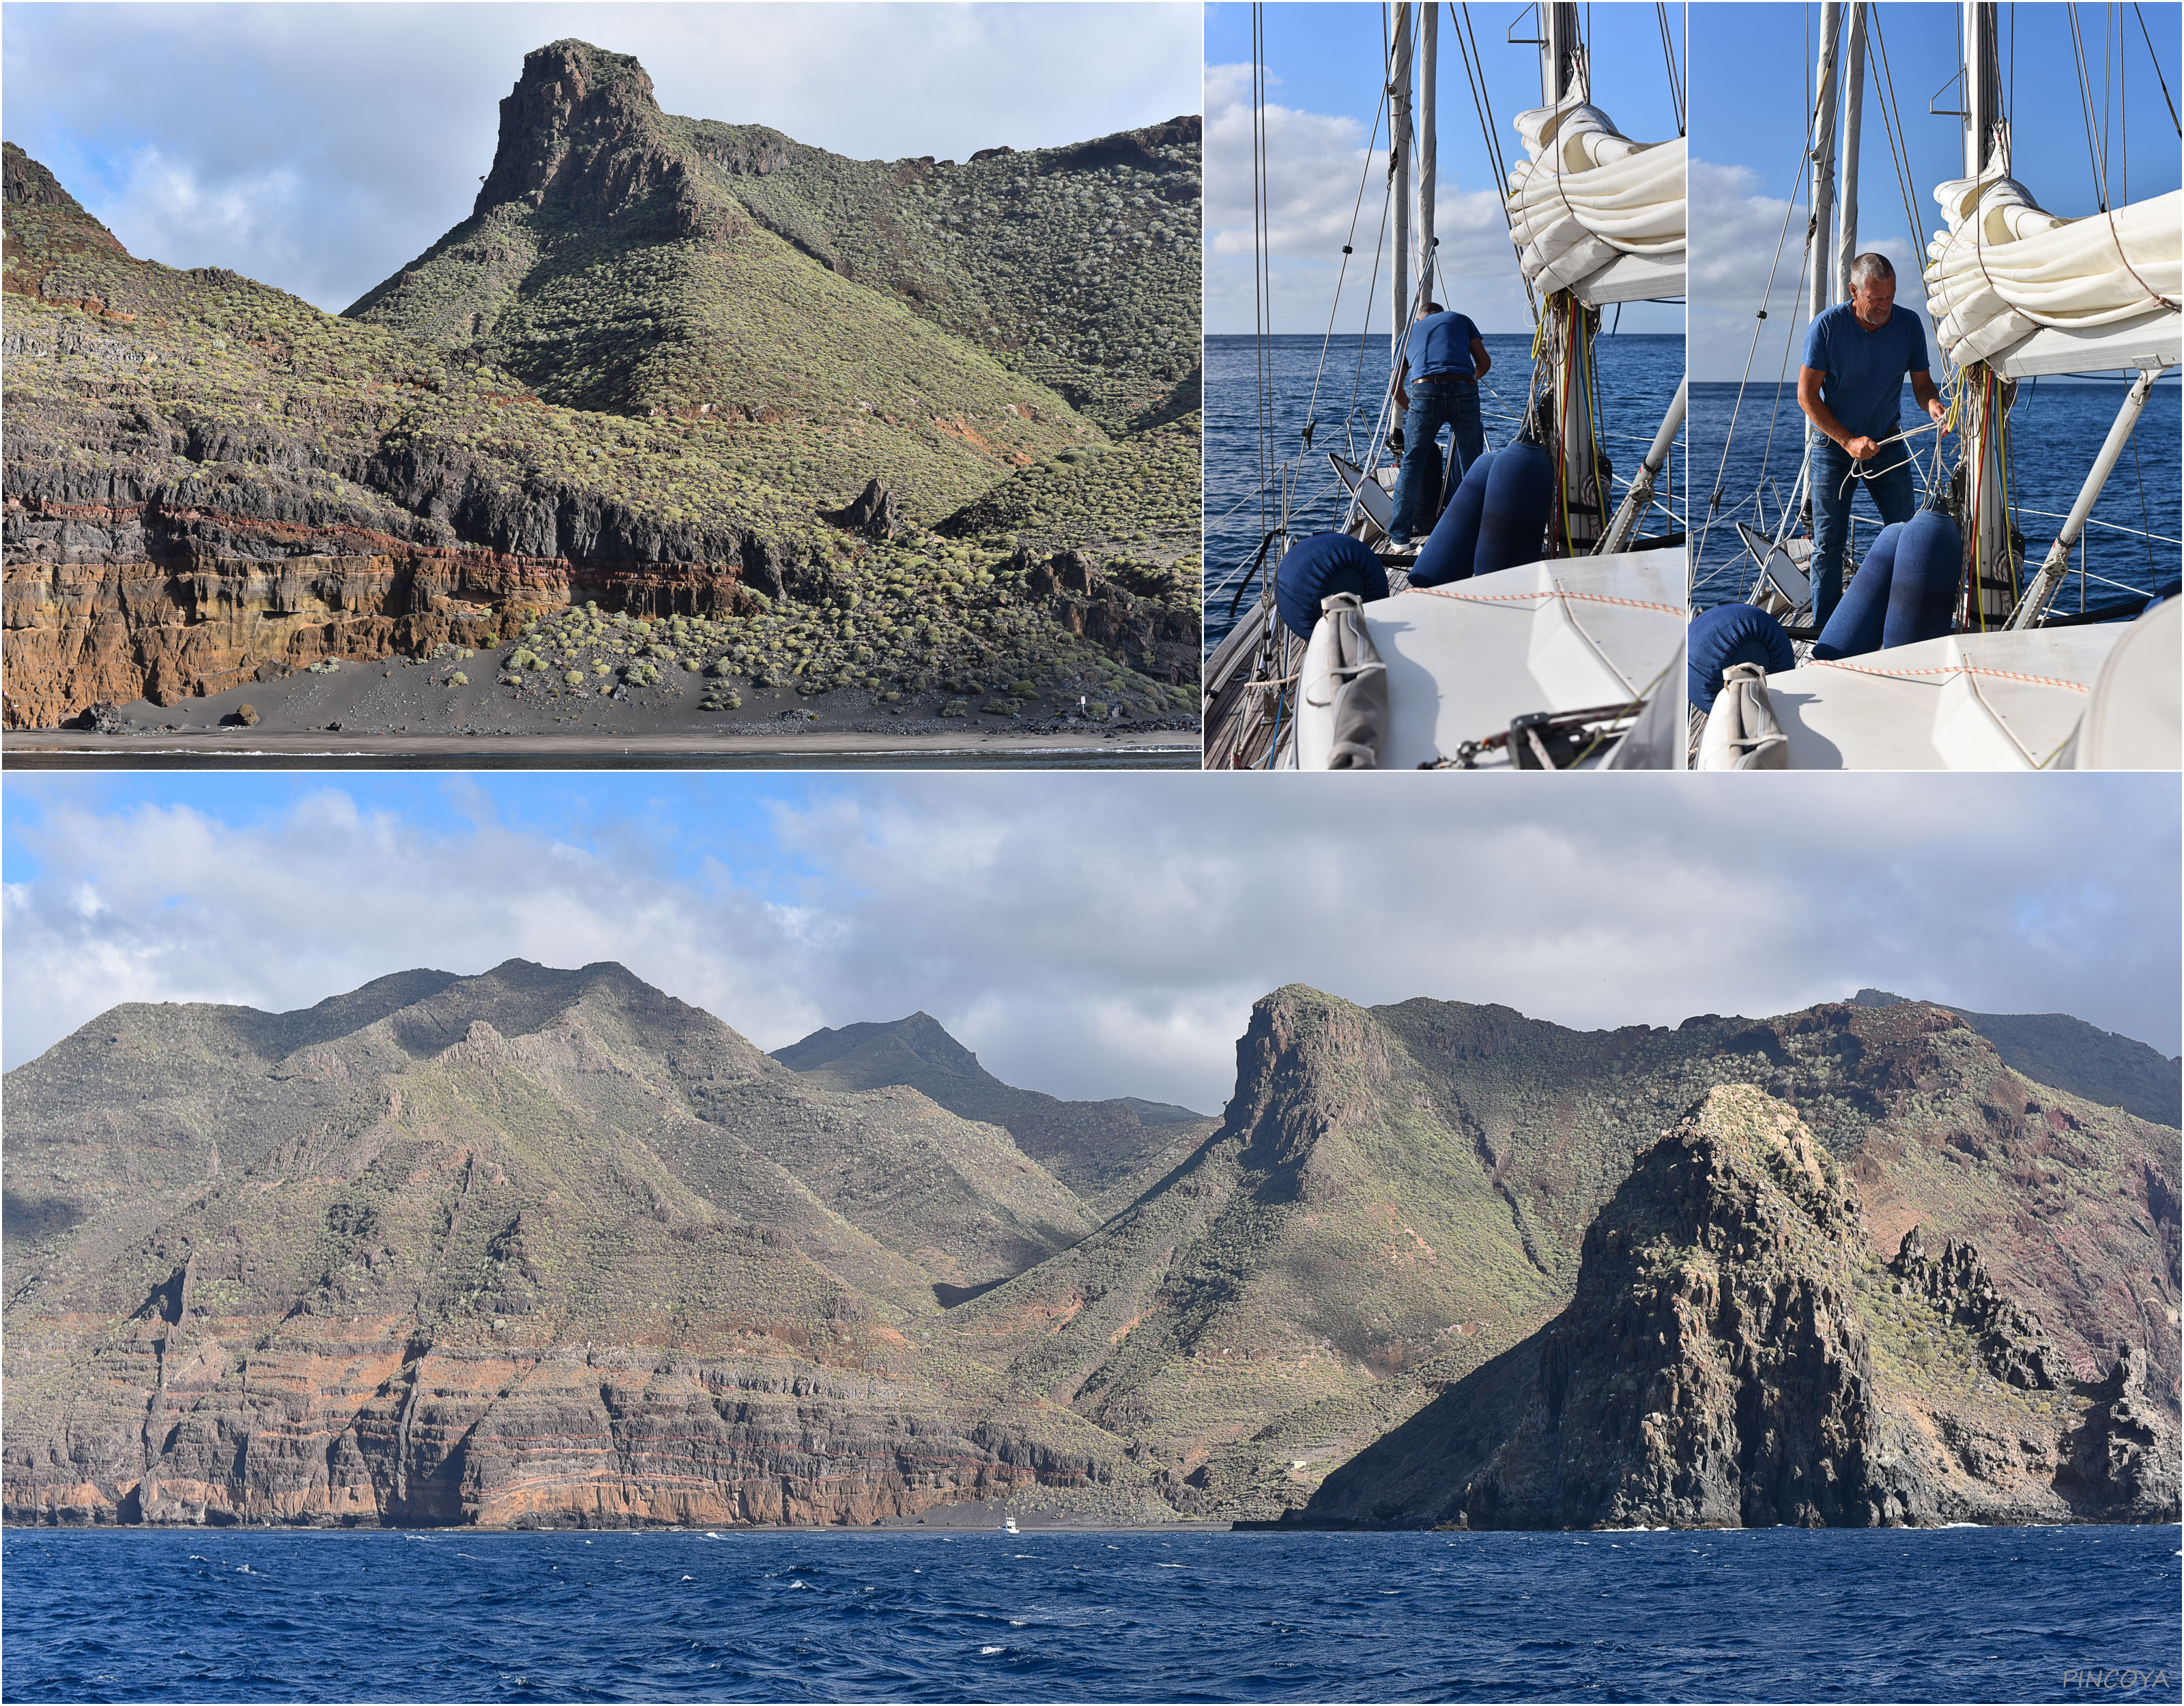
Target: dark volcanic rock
{"points": [[875, 512], [1716, 1368], [1710, 1371], [2128, 1450], [2012, 1340], [2054, 1048]]}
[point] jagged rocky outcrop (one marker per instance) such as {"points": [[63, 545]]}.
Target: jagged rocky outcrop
{"points": [[2127, 1452], [1716, 1367], [2012, 1342], [875, 512]]}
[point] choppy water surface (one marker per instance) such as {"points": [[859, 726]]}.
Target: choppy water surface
{"points": [[2056, 430], [1774, 1614], [1638, 376]]}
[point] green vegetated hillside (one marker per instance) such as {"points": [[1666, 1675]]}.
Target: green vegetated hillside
{"points": [[620, 384], [606, 230], [539, 1207], [1102, 1150]]}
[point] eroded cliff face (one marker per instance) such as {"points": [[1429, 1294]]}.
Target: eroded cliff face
{"points": [[530, 1249], [207, 481], [1735, 1354], [613, 384], [548, 1246], [365, 1428]]}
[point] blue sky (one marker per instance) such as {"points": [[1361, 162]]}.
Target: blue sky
{"points": [[1099, 936], [321, 147], [1751, 65], [1325, 72]]}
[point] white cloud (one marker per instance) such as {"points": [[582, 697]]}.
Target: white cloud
{"points": [[1742, 236], [1316, 163], [1099, 936]]}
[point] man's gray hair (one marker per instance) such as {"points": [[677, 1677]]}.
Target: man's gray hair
{"points": [[1869, 267]]}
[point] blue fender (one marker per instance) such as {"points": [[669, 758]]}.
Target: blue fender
{"points": [[1922, 597], [1731, 634], [1319, 567], [1520, 490], [1856, 626], [1449, 554]]}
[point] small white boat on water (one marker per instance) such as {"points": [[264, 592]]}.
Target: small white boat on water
{"points": [[1009, 1526]]}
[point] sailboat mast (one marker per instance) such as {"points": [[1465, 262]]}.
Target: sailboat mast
{"points": [[1820, 293], [1428, 70], [1853, 103], [1991, 557], [1819, 151], [1399, 169], [1580, 514]]}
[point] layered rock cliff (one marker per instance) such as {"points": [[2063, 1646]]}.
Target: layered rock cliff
{"points": [[533, 1247], [613, 384], [551, 1247]]}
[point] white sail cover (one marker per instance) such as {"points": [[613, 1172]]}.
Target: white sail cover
{"points": [[2004, 267], [1594, 212]]}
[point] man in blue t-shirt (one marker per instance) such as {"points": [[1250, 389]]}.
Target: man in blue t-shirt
{"points": [[1444, 359], [1856, 355]]}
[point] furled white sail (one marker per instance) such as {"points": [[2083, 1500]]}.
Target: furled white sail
{"points": [[2004, 267], [1594, 212]]}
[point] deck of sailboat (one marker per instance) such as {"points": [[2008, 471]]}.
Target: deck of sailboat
{"points": [[1466, 659], [1964, 702]]}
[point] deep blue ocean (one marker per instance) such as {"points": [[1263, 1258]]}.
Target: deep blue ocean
{"points": [[2056, 429], [1638, 376], [1996, 1614]]}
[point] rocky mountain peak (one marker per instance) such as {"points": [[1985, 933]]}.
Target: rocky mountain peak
{"points": [[44, 221], [879, 1045], [26, 183], [579, 126]]}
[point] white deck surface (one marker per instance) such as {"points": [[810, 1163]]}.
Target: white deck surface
{"points": [[1970, 702], [1465, 659]]}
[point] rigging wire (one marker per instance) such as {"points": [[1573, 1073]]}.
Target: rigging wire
{"points": [[2153, 59], [2086, 106], [1349, 244], [1263, 378], [1899, 142], [1669, 54], [1483, 105], [1759, 325]]}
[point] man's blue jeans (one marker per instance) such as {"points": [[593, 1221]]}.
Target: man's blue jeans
{"points": [[1434, 403], [1887, 480]]}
